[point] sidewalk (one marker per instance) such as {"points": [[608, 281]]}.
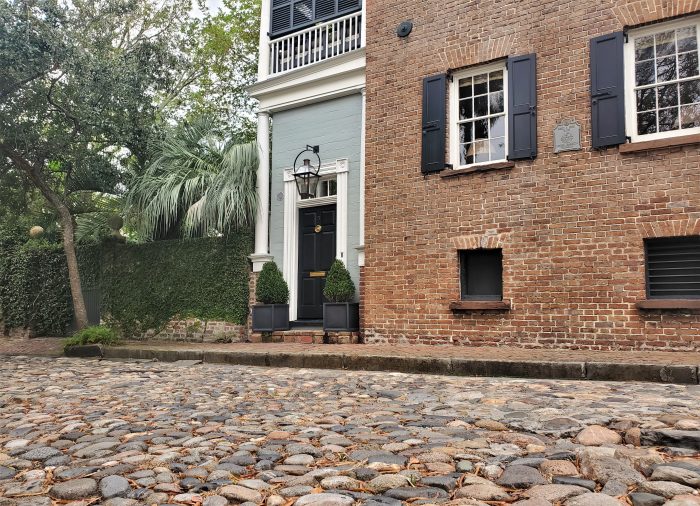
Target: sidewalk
{"points": [[666, 367], [654, 366]]}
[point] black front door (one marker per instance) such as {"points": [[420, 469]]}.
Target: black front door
{"points": [[316, 254]]}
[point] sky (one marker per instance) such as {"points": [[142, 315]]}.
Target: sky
{"points": [[213, 6]]}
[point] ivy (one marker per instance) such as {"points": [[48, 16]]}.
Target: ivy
{"points": [[142, 286]]}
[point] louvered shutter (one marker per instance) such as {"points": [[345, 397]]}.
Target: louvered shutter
{"points": [[522, 107], [673, 268], [281, 17], [324, 8], [434, 118], [607, 90]]}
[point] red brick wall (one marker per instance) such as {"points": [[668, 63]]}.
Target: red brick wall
{"points": [[571, 225]]}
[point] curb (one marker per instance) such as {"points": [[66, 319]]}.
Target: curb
{"points": [[593, 371]]}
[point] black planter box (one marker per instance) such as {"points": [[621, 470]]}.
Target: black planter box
{"points": [[270, 317], [341, 316]]}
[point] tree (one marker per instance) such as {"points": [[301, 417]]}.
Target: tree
{"points": [[81, 90], [197, 185]]}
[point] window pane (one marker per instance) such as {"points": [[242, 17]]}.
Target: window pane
{"points": [[646, 123], [690, 116], [481, 129], [496, 81], [646, 99], [668, 95], [498, 126], [496, 102], [687, 39], [481, 274], [465, 108], [644, 48], [690, 92], [480, 84], [465, 132], [665, 43], [498, 148], [465, 88], [481, 151], [481, 106], [645, 73], [466, 155], [668, 119], [688, 65], [666, 69]]}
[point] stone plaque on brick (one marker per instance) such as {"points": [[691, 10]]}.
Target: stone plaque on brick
{"points": [[567, 136]]}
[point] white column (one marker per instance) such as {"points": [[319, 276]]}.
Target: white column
{"points": [[363, 24], [264, 44], [262, 222], [361, 247]]}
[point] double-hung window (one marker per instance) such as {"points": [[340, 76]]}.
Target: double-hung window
{"points": [[478, 129], [662, 80]]}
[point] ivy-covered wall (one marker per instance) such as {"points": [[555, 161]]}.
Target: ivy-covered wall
{"points": [[142, 286]]}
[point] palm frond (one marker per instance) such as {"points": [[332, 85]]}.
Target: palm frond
{"points": [[197, 183]]}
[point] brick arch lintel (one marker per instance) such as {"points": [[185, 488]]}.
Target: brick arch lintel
{"points": [[488, 240], [671, 228], [647, 11]]}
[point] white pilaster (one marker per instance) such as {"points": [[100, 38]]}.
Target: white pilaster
{"points": [[291, 241], [361, 247], [341, 211], [363, 35], [262, 222], [264, 44]]}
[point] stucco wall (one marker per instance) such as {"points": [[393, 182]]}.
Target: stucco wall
{"points": [[335, 126]]}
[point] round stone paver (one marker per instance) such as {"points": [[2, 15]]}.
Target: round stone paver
{"points": [[141, 433]]}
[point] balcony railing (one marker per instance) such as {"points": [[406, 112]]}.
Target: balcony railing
{"points": [[316, 44]]}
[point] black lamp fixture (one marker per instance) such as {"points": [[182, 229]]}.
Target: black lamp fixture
{"points": [[306, 175]]}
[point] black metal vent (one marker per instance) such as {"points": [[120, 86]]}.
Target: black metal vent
{"points": [[673, 268]]}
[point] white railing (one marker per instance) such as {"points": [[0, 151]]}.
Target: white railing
{"points": [[315, 44]]}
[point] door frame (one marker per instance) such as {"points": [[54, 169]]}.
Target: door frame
{"points": [[292, 204]]}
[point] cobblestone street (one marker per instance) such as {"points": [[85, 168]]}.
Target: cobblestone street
{"points": [[117, 433]]}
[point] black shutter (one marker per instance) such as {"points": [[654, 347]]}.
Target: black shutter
{"points": [[607, 90], [522, 107], [281, 18], [434, 117]]}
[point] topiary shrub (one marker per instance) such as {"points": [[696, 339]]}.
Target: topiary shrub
{"points": [[339, 285], [92, 335], [271, 287]]}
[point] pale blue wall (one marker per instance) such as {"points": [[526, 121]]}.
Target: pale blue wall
{"points": [[336, 127]]}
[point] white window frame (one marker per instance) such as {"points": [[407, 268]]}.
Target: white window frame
{"points": [[454, 111], [630, 80]]}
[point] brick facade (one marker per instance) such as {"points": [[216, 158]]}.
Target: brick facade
{"points": [[571, 225]]}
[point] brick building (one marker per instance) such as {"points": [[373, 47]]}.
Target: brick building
{"points": [[480, 229]]}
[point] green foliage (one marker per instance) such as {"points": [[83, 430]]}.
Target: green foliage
{"points": [[271, 287], [100, 334], [199, 185], [34, 289], [144, 286], [339, 286]]}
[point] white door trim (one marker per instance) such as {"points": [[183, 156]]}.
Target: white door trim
{"points": [[292, 204]]}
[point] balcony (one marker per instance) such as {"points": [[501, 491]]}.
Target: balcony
{"points": [[316, 44]]}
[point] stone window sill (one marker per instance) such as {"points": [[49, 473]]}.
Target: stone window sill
{"points": [[635, 147], [479, 305], [479, 168], [669, 304]]}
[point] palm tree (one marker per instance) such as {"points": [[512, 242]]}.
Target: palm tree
{"points": [[198, 185]]}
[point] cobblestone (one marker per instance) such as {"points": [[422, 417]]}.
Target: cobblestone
{"points": [[142, 433]]}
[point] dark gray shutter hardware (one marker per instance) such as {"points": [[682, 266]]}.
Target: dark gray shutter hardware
{"points": [[434, 119], [522, 107], [607, 91]]}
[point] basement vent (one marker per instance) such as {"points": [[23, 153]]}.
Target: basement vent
{"points": [[673, 268]]}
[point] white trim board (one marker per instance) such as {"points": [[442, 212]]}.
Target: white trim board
{"points": [[292, 204]]}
